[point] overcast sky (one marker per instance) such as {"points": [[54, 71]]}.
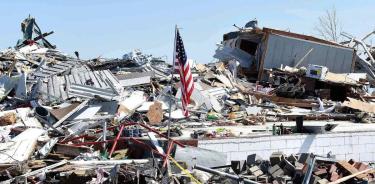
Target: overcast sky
{"points": [[112, 28]]}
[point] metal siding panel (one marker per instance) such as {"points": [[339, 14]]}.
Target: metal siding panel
{"points": [[102, 80], [71, 79], [111, 77], [92, 76], [335, 64], [274, 48], [56, 86], [278, 55], [295, 56], [283, 55], [268, 57], [99, 79], [76, 79], [82, 78], [342, 60], [348, 56], [305, 47], [288, 51], [50, 89], [65, 64], [319, 55], [60, 67], [85, 76], [329, 56], [62, 90], [44, 90]]}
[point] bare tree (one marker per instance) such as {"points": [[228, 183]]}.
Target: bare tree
{"points": [[329, 26]]}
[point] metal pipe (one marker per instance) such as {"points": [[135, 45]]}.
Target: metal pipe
{"points": [[366, 50], [303, 58], [122, 138], [42, 113], [226, 175], [367, 66], [115, 143], [170, 146], [310, 169], [44, 116], [360, 42], [368, 35], [160, 134], [105, 135], [171, 84]]}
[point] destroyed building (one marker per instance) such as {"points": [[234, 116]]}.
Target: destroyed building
{"points": [[277, 107], [259, 49]]}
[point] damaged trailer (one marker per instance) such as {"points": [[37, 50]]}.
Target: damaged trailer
{"points": [[259, 49]]}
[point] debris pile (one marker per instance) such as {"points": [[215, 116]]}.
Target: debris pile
{"points": [[280, 169], [69, 120]]}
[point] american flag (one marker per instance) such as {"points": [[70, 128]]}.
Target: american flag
{"points": [[182, 66]]}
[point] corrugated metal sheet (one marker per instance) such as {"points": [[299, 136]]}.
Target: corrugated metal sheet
{"points": [[58, 88], [135, 78], [288, 51], [44, 71]]}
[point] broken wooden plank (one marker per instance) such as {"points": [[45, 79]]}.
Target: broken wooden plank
{"points": [[352, 176], [359, 105], [70, 150], [350, 169], [305, 103], [70, 113]]}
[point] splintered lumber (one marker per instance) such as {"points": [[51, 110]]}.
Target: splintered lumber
{"points": [[107, 162], [351, 169], [304, 103], [32, 173], [359, 105], [80, 106], [351, 176]]}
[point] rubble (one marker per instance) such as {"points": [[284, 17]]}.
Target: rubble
{"points": [[303, 168], [65, 119]]}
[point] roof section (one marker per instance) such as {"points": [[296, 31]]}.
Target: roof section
{"points": [[300, 36]]}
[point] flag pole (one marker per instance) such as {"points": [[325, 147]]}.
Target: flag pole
{"points": [[171, 84], [169, 142]]}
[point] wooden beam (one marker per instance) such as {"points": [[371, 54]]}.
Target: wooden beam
{"points": [[351, 169], [352, 176]]}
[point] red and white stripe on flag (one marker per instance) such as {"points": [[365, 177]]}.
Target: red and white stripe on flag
{"points": [[183, 68]]}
